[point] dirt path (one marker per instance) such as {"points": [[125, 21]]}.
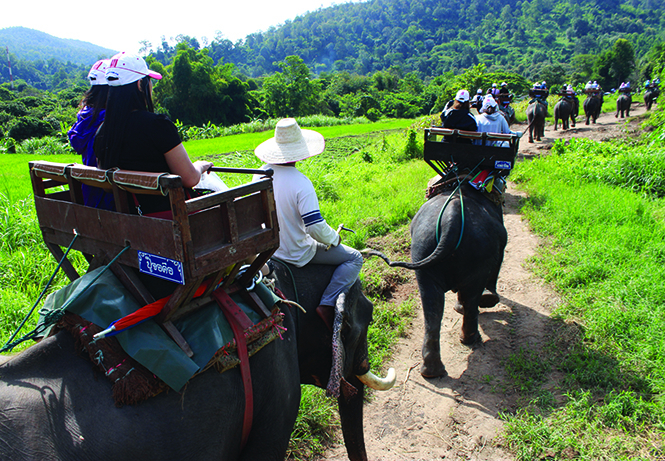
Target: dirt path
{"points": [[456, 417]]}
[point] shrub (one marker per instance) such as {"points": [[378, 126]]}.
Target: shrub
{"points": [[28, 127]]}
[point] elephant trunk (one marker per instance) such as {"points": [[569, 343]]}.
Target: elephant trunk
{"points": [[380, 384], [351, 417]]}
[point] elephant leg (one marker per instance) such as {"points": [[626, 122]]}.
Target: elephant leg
{"points": [[351, 417], [459, 307], [470, 300], [490, 296], [432, 297]]}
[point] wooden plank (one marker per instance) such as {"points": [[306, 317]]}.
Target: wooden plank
{"points": [[151, 235], [217, 198], [131, 281], [182, 295], [177, 337], [66, 266]]}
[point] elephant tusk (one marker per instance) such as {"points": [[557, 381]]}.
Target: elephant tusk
{"points": [[380, 384]]}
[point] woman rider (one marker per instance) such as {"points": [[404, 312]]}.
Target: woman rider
{"points": [[133, 137]]}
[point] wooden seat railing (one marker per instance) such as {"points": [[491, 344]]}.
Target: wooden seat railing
{"points": [[210, 236], [443, 150]]}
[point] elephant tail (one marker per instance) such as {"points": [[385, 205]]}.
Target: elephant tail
{"points": [[431, 259]]}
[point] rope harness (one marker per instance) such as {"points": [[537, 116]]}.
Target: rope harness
{"points": [[52, 317]]}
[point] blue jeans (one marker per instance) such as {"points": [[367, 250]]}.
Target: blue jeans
{"points": [[348, 261]]}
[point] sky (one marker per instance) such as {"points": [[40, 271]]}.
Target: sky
{"points": [[122, 24]]}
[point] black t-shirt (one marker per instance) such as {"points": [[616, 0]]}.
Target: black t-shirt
{"points": [[460, 119], [148, 137]]}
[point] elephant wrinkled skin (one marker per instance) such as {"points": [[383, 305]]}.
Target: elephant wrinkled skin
{"points": [[55, 406], [469, 266], [623, 105], [536, 113], [316, 335]]}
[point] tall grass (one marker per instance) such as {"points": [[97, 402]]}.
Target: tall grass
{"points": [[600, 208], [210, 130]]}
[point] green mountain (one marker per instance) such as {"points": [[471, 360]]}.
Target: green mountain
{"points": [[33, 45], [530, 37], [44, 61]]}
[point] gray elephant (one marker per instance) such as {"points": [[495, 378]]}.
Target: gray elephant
{"points": [[623, 105], [592, 105], [55, 406], [536, 113], [466, 259], [316, 328], [563, 111], [650, 96]]}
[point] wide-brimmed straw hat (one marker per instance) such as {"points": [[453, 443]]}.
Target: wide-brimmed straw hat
{"points": [[290, 144]]}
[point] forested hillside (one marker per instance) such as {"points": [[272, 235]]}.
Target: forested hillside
{"points": [[46, 62], [536, 38], [33, 45], [382, 58]]}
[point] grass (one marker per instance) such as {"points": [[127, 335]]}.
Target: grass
{"points": [[600, 209]]}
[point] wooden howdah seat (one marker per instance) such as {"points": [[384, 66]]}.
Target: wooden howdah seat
{"points": [[209, 238], [443, 152]]}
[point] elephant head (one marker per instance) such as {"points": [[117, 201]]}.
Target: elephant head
{"points": [[333, 351]]}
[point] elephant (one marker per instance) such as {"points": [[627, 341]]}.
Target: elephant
{"points": [[354, 313], [575, 111], [54, 406], [650, 96], [623, 105], [592, 105], [536, 113], [466, 259], [563, 111]]}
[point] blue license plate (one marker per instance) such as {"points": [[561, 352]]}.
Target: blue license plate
{"points": [[159, 266], [503, 165]]}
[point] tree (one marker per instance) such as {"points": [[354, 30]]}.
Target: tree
{"points": [[623, 60], [292, 92], [615, 65], [196, 92]]}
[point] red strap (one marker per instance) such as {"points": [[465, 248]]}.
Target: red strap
{"points": [[239, 323]]}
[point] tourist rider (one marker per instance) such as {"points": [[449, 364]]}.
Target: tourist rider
{"points": [[82, 134], [133, 137], [304, 235], [477, 101], [539, 93], [491, 120], [459, 117], [504, 88]]}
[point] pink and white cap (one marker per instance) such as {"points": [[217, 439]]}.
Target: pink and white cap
{"points": [[462, 96], [126, 68], [98, 71]]}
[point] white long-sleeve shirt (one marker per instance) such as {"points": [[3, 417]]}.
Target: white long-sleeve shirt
{"points": [[300, 222]]}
